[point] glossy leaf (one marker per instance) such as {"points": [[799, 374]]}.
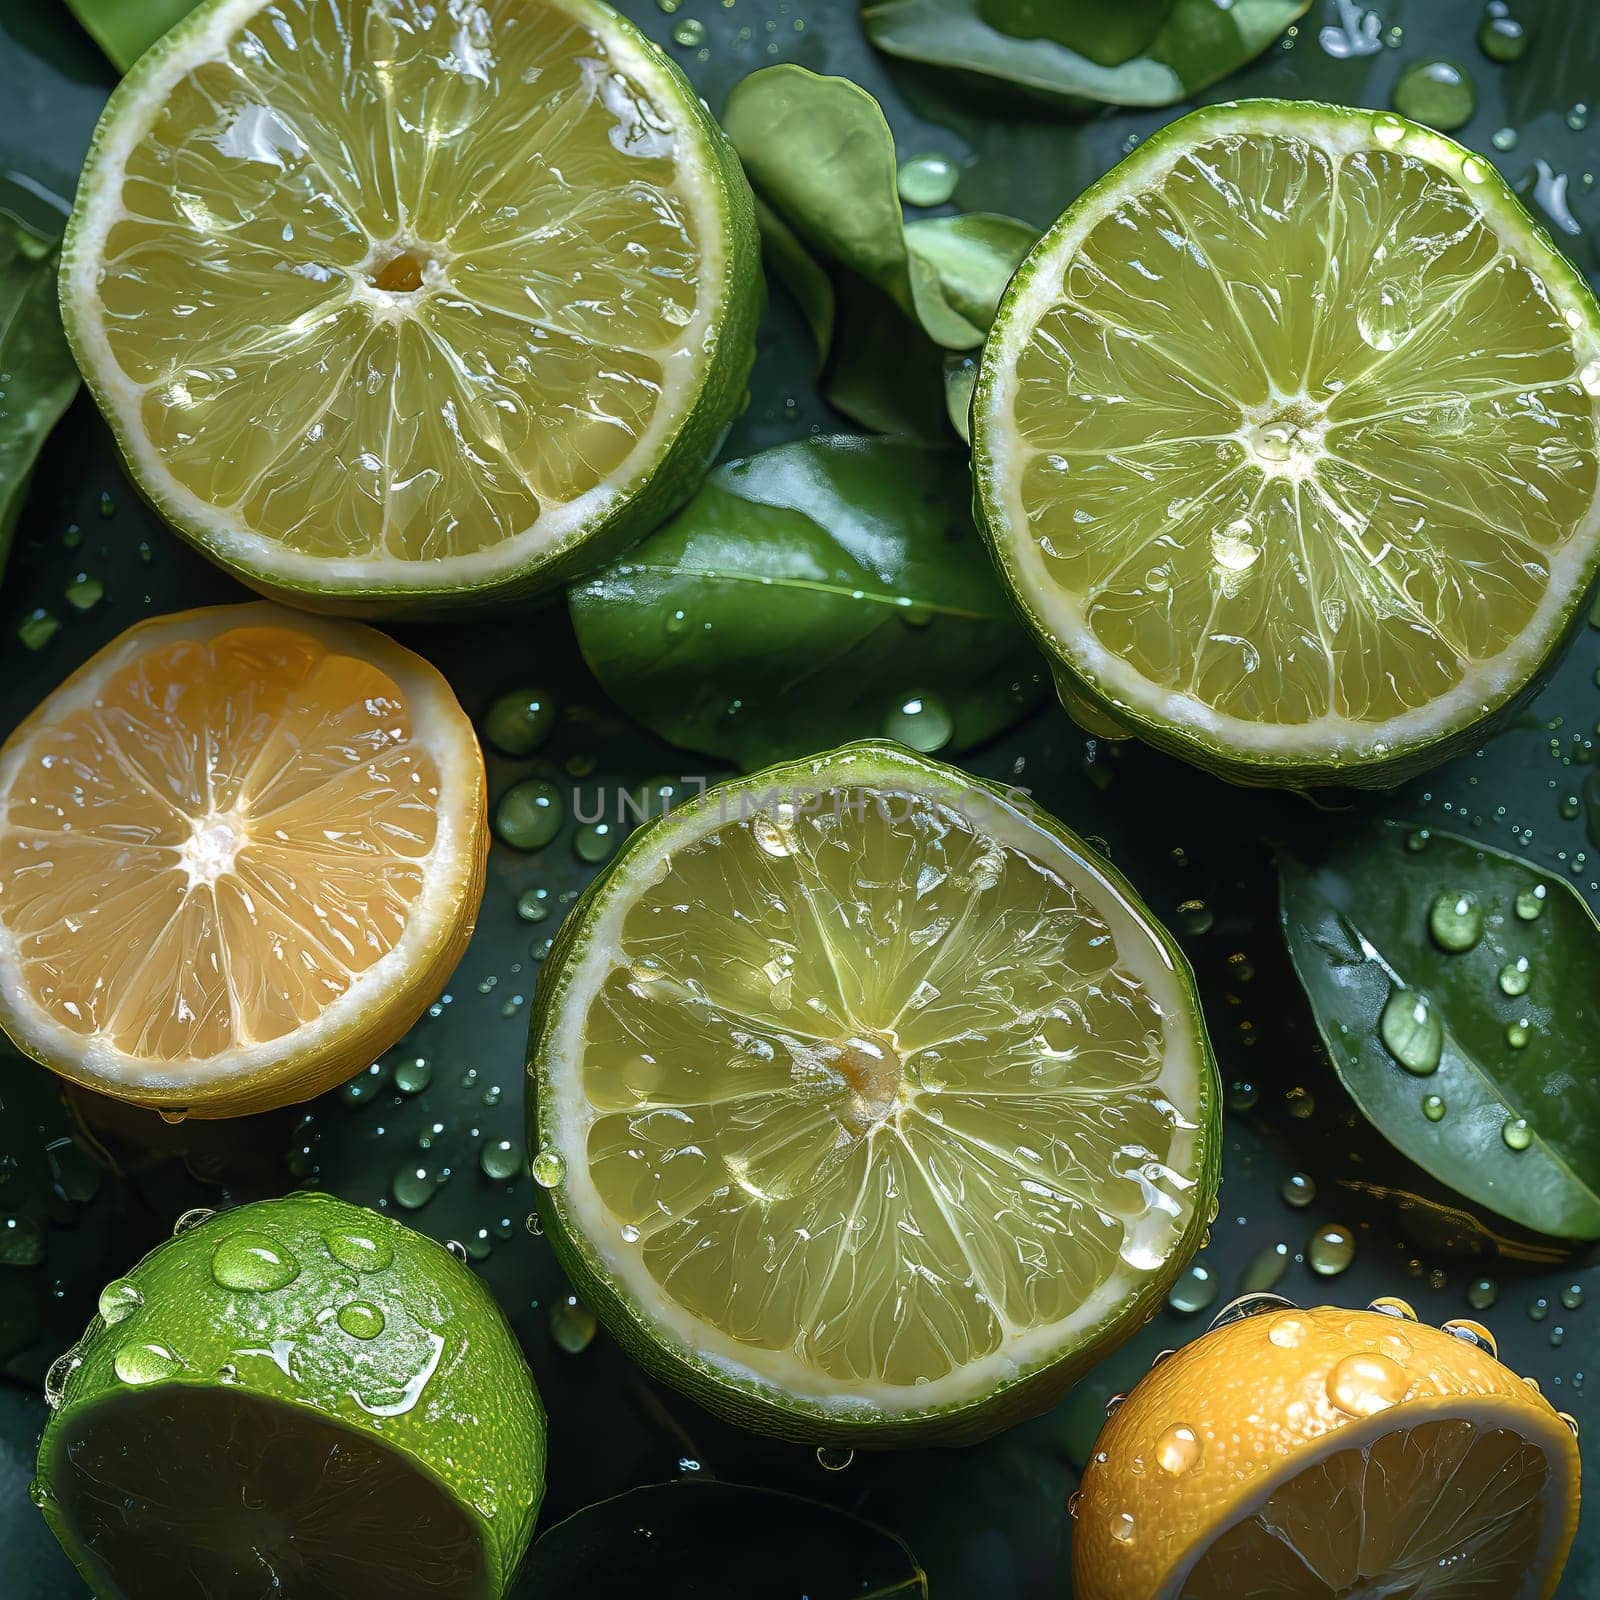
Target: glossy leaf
{"points": [[708, 1541], [804, 597], [125, 29], [40, 376], [1359, 916], [1013, 42], [882, 297]]}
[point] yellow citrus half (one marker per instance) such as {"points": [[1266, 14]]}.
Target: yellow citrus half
{"points": [[1304, 1455], [240, 851]]}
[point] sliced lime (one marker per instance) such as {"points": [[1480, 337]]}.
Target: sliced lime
{"points": [[1285, 438], [870, 1104]]}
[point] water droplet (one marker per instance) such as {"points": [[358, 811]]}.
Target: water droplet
{"points": [[1195, 917], [520, 721], [457, 1249], [1265, 1268], [1236, 548], [1433, 1107], [921, 721], [1195, 1289], [572, 1325], [548, 1168], [1417, 840], [60, 1371], [1515, 976], [1482, 1293], [38, 628], [533, 905], [358, 1251], [1472, 1333], [1257, 1304], [1331, 1250], [361, 1319], [1538, 1309], [689, 33], [145, 1363], [775, 834], [1364, 1384], [192, 1219], [1288, 1333], [834, 1459], [530, 814], [500, 1159], [119, 1300], [38, 1494], [1393, 1306], [1572, 1296], [1531, 902], [1504, 138], [1411, 1032], [413, 1075], [1386, 312], [1518, 1034], [1436, 92], [1299, 1189], [253, 1262], [1455, 921], [84, 593], [1516, 1133], [927, 180], [1570, 1420], [1179, 1450], [595, 842], [1122, 1528], [414, 1186]]}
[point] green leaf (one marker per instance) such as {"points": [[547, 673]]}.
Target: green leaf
{"points": [[802, 598], [704, 1541], [125, 29], [794, 267], [973, 257], [1108, 35], [41, 377], [1197, 43], [1356, 914]]}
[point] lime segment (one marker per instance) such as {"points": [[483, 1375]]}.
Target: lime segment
{"points": [[1286, 437], [871, 1094], [396, 300]]}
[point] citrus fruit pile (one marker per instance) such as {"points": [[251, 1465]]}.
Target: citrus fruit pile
{"points": [[1322, 1453], [1286, 442], [278, 1400], [398, 306], [240, 853], [870, 1106]]}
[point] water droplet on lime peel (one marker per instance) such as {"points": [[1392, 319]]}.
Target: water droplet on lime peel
{"points": [[58, 1375], [119, 1300], [831, 1458], [921, 722], [1122, 1528], [1331, 1250], [1195, 1289], [1364, 1384], [1436, 92], [358, 1251], [139, 1364], [192, 1218], [457, 1249], [38, 1494], [361, 1320], [1455, 921], [1411, 1032], [548, 1168], [572, 1325], [519, 721], [254, 1263], [530, 814]]}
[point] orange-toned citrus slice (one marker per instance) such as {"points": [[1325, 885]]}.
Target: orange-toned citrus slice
{"points": [[1304, 1455], [240, 851]]}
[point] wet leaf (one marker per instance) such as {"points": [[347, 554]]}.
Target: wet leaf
{"points": [[1053, 52], [125, 29], [806, 596], [882, 298], [1371, 916], [41, 377], [707, 1541]]}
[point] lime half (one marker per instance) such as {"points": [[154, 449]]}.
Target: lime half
{"points": [[298, 1398], [1285, 439], [870, 1106], [399, 305]]}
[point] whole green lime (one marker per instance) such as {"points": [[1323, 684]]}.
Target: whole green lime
{"points": [[300, 1398]]}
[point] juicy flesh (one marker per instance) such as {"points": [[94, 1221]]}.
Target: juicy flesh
{"points": [[892, 1102], [206, 1494], [1444, 1511], [1300, 440], [395, 277], [213, 848]]}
